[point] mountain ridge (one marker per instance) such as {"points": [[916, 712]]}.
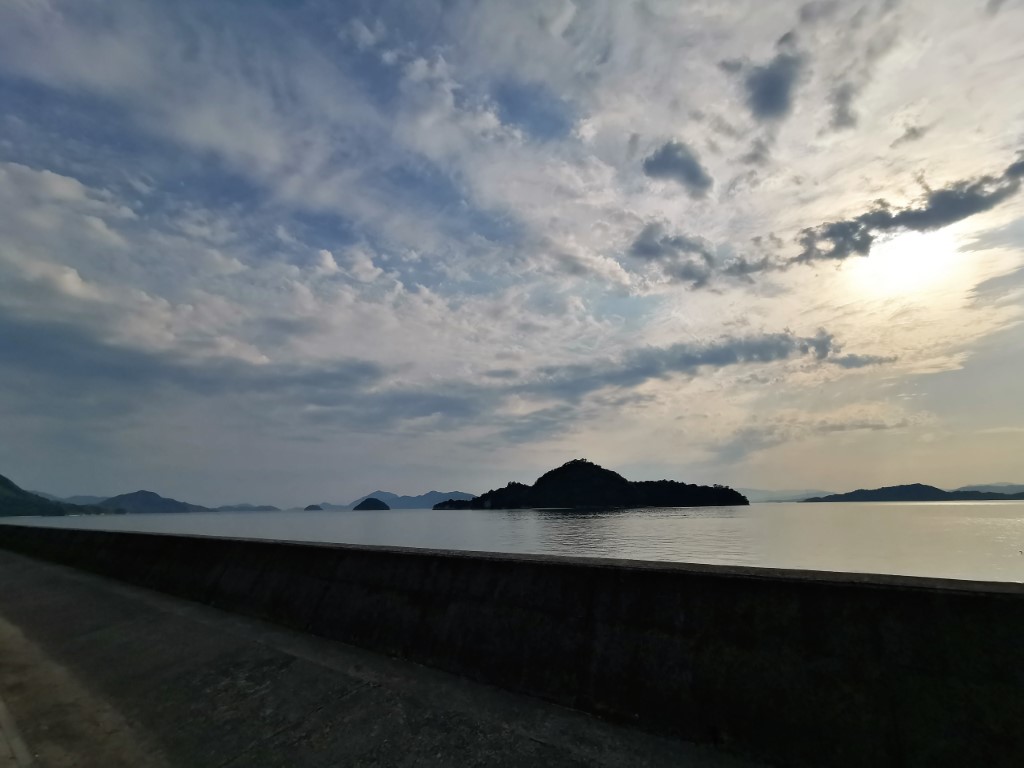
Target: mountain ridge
{"points": [[17, 502]]}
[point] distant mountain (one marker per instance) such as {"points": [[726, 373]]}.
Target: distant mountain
{"points": [[916, 492], [84, 500], [47, 496], [581, 483], [760, 495], [313, 508], [247, 508], [16, 502], [423, 501], [994, 488], [147, 502], [81, 500]]}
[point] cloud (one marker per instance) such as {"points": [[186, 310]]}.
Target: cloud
{"points": [[941, 207], [770, 87], [994, 6], [817, 10], [789, 427], [912, 133], [759, 152], [673, 252], [861, 361], [841, 98], [677, 162], [637, 367]]}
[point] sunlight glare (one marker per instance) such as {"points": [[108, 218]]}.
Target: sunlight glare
{"points": [[910, 264]]}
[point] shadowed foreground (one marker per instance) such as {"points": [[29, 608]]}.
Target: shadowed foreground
{"points": [[100, 674]]}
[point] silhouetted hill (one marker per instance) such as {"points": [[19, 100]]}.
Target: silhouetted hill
{"points": [[16, 502], [371, 503], [581, 483], [247, 508], [147, 502], [916, 492], [423, 501]]}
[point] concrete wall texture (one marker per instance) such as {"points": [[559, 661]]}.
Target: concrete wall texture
{"points": [[789, 667]]}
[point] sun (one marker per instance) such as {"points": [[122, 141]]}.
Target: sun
{"points": [[912, 264]]}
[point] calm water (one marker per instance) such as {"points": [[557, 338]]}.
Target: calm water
{"points": [[958, 540]]}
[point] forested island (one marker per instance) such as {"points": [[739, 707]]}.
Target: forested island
{"points": [[581, 484]]}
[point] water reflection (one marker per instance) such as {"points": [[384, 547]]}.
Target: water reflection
{"points": [[958, 540]]}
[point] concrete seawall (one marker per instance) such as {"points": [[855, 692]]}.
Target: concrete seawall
{"points": [[790, 667]]}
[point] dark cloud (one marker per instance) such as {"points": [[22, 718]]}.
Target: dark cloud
{"points": [[770, 87], [993, 6], [818, 10], [681, 257], [941, 207], [759, 152], [744, 267], [74, 371], [502, 373], [757, 437], [841, 99], [676, 161], [912, 133], [570, 382], [692, 260], [860, 361], [859, 71]]}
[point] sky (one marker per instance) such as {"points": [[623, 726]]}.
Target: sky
{"points": [[296, 250]]}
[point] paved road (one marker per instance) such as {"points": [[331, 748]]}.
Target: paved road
{"points": [[97, 674]]}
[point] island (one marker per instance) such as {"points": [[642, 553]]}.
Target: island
{"points": [[371, 503], [17, 502], [313, 508], [916, 492], [580, 484]]}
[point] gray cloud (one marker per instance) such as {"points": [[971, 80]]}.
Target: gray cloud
{"points": [[941, 207], [570, 382], [770, 87], [841, 99], [860, 361], [759, 152], [860, 71], [758, 437], [993, 6], [692, 260], [817, 10], [744, 267], [675, 254], [912, 133], [676, 161]]}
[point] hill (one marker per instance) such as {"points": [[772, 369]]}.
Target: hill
{"points": [[371, 503], [16, 502], [147, 502], [916, 492], [581, 483], [394, 501]]}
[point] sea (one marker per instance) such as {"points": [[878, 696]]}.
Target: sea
{"points": [[981, 541]]}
